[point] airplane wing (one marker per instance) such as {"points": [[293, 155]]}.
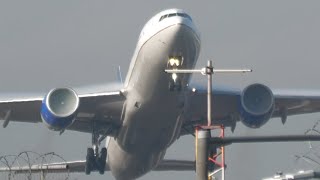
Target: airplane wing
{"points": [[226, 106], [296, 102], [104, 107], [79, 167]]}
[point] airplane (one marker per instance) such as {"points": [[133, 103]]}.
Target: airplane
{"points": [[150, 110]]}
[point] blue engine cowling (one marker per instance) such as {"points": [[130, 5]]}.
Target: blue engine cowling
{"points": [[256, 105], [59, 108]]}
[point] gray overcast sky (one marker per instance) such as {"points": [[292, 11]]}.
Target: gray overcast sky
{"points": [[47, 44]]}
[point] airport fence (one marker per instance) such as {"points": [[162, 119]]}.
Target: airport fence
{"points": [[312, 155], [23, 166]]}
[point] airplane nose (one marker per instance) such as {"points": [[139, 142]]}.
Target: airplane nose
{"points": [[186, 27], [189, 23]]}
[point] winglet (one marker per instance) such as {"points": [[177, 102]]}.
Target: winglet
{"points": [[119, 75]]}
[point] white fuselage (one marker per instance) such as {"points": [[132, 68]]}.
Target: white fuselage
{"points": [[150, 119]]}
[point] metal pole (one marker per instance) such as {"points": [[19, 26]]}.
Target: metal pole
{"points": [[209, 74], [196, 144], [202, 143], [42, 175], [223, 172]]}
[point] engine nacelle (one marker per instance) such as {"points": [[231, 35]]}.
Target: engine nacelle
{"points": [[59, 108], [256, 105]]}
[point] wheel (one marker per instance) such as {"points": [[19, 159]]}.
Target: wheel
{"points": [[102, 160], [89, 161]]}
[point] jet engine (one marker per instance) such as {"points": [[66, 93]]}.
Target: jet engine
{"points": [[59, 108], [256, 105]]}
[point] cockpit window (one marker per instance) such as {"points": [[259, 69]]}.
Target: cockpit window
{"points": [[170, 15], [181, 14], [175, 14], [162, 17], [184, 15]]}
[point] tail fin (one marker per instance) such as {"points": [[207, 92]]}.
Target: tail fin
{"points": [[119, 75]]}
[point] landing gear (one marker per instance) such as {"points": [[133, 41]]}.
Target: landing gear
{"points": [[96, 161], [102, 160], [89, 161], [171, 85], [178, 85], [175, 85]]}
